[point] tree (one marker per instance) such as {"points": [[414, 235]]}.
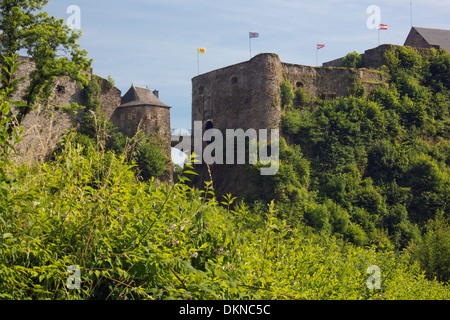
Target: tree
{"points": [[433, 253], [150, 160], [7, 125], [50, 44]]}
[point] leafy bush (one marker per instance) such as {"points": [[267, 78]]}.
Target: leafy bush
{"points": [[140, 240], [287, 93], [353, 60], [433, 253], [382, 159], [150, 160], [301, 97]]}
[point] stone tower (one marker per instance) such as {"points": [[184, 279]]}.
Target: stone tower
{"points": [[142, 107], [247, 96], [244, 95]]}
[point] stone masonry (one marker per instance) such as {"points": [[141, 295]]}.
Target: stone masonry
{"points": [[247, 95], [46, 125]]}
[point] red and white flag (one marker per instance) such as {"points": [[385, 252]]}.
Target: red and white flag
{"points": [[383, 27], [320, 46]]}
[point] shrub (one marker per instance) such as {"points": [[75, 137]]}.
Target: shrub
{"points": [[433, 253], [301, 97], [150, 160], [353, 60], [287, 93]]}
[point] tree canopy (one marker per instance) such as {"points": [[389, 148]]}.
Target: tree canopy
{"points": [[48, 42]]}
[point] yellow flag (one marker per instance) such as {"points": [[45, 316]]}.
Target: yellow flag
{"points": [[201, 50]]}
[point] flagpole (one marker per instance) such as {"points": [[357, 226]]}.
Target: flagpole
{"points": [[411, 13], [317, 56], [198, 62], [250, 45]]}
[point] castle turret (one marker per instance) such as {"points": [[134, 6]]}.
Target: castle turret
{"points": [[141, 107], [245, 95]]}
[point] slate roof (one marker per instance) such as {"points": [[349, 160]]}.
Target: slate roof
{"points": [[138, 96], [435, 37]]}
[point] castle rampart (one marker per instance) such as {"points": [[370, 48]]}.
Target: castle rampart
{"points": [[247, 95]]}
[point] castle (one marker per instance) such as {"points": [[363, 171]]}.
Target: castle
{"points": [[245, 95], [142, 107], [43, 128]]}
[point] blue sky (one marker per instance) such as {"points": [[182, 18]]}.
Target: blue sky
{"points": [[154, 42]]}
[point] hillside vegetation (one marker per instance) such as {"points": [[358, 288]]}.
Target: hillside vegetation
{"points": [[373, 168]]}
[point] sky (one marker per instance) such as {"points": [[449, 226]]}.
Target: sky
{"points": [[154, 42]]}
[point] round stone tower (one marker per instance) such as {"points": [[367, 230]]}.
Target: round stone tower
{"points": [[142, 107], [244, 95]]}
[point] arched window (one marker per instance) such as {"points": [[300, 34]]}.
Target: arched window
{"points": [[209, 125], [234, 80]]}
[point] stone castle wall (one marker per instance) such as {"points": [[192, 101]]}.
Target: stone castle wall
{"points": [[44, 127], [150, 119], [247, 95], [244, 95], [373, 58]]}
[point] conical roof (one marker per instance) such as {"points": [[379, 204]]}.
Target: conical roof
{"points": [[138, 96]]}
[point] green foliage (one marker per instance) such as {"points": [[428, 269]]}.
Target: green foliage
{"points": [[293, 175], [24, 27], [362, 181], [357, 89], [381, 158], [433, 253], [9, 132], [111, 82], [287, 93], [290, 98], [91, 94], [353, 60], [386, 162], [150, 160], [142, 240], [301, 97]]}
